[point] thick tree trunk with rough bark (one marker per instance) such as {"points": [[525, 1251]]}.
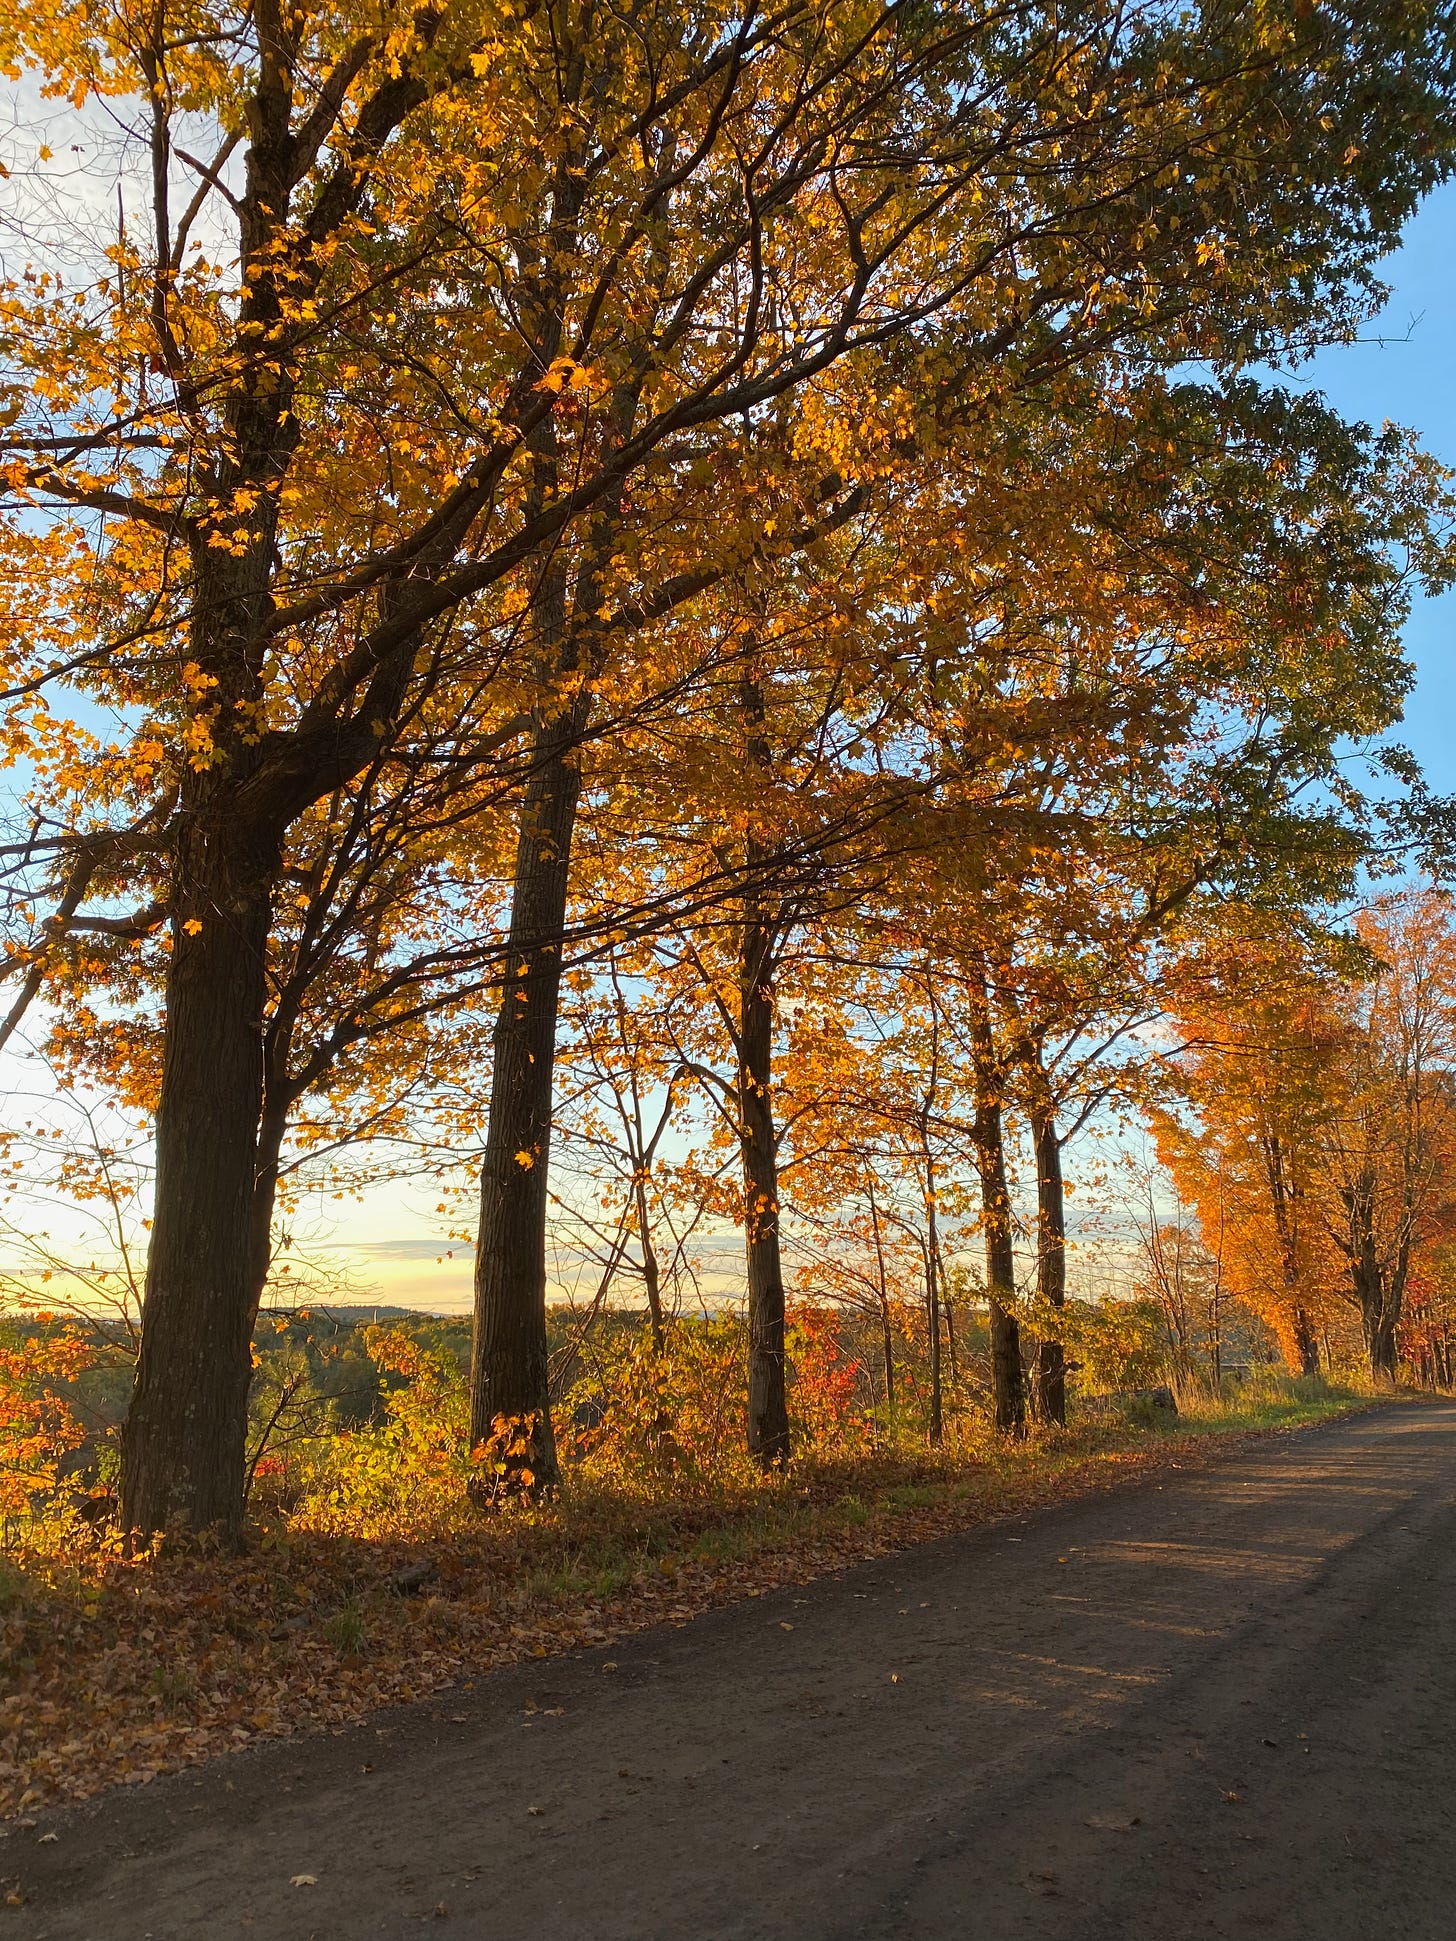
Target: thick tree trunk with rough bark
{"points": [[184, 1440], [1377, 1319], [183, 1444], [508, 1373], [510, 1403], [1379, 1312], [1377, 1315]]}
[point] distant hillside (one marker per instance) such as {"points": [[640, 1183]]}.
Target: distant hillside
{"points": [[358, 1312]]}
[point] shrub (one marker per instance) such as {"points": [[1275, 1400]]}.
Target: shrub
{"points": [[38, 1427], [401, 1476], [635, 1415]]}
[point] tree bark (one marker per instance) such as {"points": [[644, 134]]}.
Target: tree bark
{"points": [[185, 1437], [1007, 1381], [932, 1221], [509, 1380], [1377, 1315], [1006, 1372], [768, 1409], [184, 1442], [1051, 1260], [510, 1393], [651, 1274], [932, 1305], [947, 1308], [1285, 1197], [1306, 1342], [882, 1293], [508, 1364], [768, 1406]]}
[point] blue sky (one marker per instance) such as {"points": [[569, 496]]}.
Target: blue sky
{"points": [[1408, 377]]}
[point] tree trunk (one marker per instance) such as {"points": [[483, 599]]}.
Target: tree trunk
{"points": [[651, 1274], [1394, 1282], [1383, 1355], [887, 1333], [768, 1406], [219, 1130], [768, 1409], [1306, 1342], [1285, 1195], [1377, 1317], [508, 1363], [947, 1308], [932, 1218], [510, 1402], [1051, 1262], [1007, 1383], [185, 1438], [932, 1308], [1051, 1228], [1006, 1373], [184, 1442]]}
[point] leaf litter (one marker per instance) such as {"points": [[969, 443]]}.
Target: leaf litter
{"points": [[114, 1670]]}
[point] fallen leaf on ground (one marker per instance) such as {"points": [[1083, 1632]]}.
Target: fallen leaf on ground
{"points": [[80, 1708]]}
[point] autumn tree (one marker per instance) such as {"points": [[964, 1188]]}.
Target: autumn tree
{"points": [[1257, 1065], [1389, 1137], [450, 258], [359, 420]]}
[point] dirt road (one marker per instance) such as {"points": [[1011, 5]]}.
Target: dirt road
{"points": [[1220, 1705]]}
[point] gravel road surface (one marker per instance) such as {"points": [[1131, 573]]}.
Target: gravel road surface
{"points": [[1221, 1704]]}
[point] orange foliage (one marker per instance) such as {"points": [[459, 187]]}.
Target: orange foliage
{"points": [[38, 1426]]}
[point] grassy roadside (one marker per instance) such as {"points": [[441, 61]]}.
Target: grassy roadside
{"points": [[113, 1671], [1287, 1402]]}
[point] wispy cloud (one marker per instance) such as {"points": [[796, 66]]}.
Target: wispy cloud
{"points": [[423, 1248]]}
